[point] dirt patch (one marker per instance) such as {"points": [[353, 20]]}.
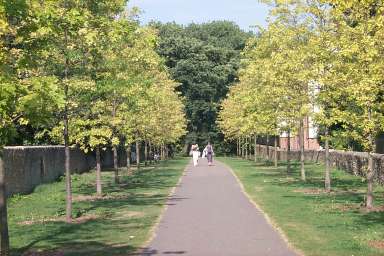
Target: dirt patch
{"points": [[93, 198], [86, 198], [346, 207], [44, 253], [309, 191], [79, 220], [128, 214], [378, 244], [373, 209]]}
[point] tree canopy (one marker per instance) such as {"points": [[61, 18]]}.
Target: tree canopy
{"points": [[204, 59]]}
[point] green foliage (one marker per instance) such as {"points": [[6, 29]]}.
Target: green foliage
{"points": [[204, 59]]}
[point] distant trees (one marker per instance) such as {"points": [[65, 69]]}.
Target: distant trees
{"points": [[204, 59], [326, 54]]}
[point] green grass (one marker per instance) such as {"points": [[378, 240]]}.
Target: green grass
{"points": [[117, 225], [316, 223]]}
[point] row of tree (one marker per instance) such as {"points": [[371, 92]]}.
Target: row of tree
{"points": [[83, 73], [317, 58], [204, 59]]}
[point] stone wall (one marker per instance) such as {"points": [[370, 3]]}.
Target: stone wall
{"points": [[28, 167], [352, 162]]}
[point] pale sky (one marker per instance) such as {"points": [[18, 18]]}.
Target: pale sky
{"points": [[245, 13]]}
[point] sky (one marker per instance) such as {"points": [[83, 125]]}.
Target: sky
{"points": [[246, 13]]}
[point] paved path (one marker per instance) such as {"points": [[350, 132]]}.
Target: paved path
{"points": [[209, 216]]}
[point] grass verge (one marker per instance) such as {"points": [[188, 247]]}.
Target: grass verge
{"points": [[315, 222], [117, 224]]}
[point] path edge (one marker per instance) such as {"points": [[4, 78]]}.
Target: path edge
{"points": [[156, 225], [266, 216]]}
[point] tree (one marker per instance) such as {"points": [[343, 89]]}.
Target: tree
{"points": [[204, 59], [25, 97], [359, 61]]}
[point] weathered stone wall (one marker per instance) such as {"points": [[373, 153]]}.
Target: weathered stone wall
{"points": [[28, 167], [349, 161]]}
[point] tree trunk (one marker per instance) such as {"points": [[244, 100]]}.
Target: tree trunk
{"points": [[301, 140], [275, 155], [98, 172], [249, 147], [370, 181], [371, 170], [4, 236], [238, 147], [242, 148], [138, 155], [115, 161], [255, 148], [115, 165], [268, 147], [145, 153], [129, 158], [150, 153], [327, 162], [68, 181], [289, 152], [246, 148]]}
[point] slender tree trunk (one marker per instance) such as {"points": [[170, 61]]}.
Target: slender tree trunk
{"points": [[242, 148], [68, 181], [150, 152], [238, 147], [371, 170], [275, 146], [370, 181], [115, 164], [255, 148], [289, 152], [145, 153], [115, 161], [98, 172], [138, 154], [268, 147], [4, 236], [327, 162], [249, 147], [129, 158], [246, 148], [302, 144]]}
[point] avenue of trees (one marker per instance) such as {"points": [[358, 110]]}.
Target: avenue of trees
{"points": [[82, 73], [204, 59], [316, 58]]}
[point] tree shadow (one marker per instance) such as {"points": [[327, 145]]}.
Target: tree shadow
{"points": [[147, 187]]}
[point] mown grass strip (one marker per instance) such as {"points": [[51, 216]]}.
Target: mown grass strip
{"points": [[315, 222], [119, 223]]}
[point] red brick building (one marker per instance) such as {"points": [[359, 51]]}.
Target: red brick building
{"points": [[310, 137]]}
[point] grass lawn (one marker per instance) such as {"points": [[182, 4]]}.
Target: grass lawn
{"points": [[118, 224], [314, 222]]}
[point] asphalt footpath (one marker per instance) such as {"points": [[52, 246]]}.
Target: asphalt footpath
{"points": [[209, 215]]}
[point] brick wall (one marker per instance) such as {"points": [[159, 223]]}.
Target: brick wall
{"points": [[352, 162], [28, 167]]}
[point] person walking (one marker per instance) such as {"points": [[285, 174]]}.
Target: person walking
{"points": [[209, 153], [195, 154]]}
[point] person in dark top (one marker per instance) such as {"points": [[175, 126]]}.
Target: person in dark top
{"points": [[209, 153]]}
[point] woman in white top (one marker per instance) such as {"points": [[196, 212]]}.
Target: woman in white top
{"points": [[195, 154]]}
